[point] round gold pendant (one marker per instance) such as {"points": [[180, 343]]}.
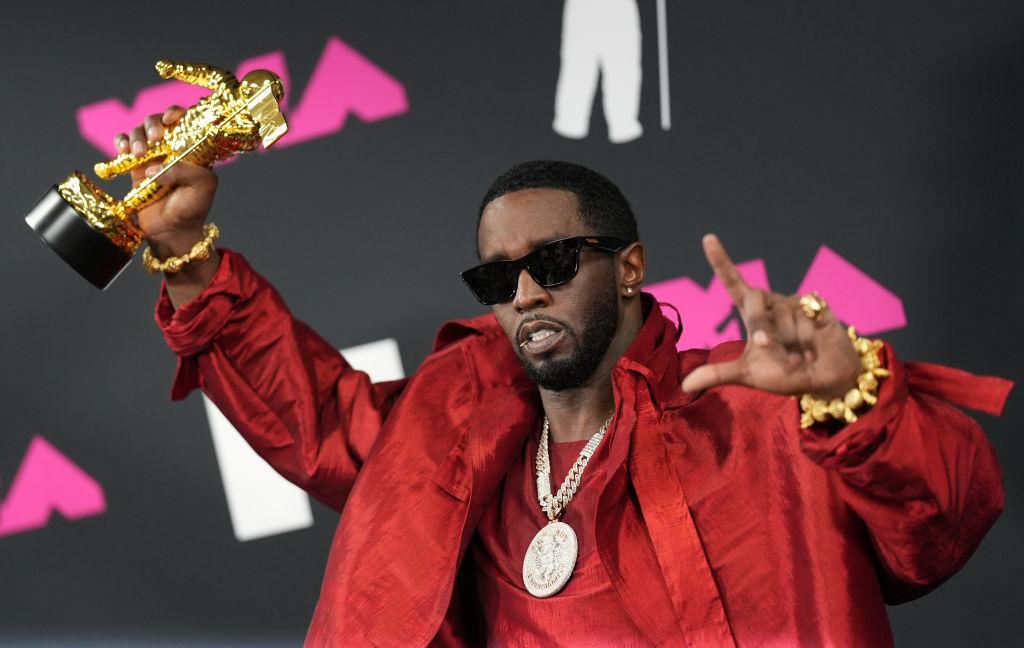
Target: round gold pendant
{"points": [[550, 559]]}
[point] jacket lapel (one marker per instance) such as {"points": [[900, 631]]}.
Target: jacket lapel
{"points": [[647, 380], [673, 533], [505, 413]]}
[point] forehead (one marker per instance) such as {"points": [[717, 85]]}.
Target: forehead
{"points": [[514, 224]]}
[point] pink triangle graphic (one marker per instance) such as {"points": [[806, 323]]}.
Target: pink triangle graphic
{"points": [[704, 310], [48, 481], [343, 82], [852, 295], [99, 122]]}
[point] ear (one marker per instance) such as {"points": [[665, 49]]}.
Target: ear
{"points": [[632, 269]]}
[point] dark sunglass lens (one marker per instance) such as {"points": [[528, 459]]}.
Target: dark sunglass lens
{"points": [[492, 283], [555, 263]]}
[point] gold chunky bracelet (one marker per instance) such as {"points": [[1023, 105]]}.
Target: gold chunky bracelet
{"points": [[172, 265], [816, 410]]}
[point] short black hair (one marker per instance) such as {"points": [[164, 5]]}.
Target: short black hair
{"points": [[601, 204]]}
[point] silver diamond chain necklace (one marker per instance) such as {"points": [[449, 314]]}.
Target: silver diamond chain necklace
{"points": [[552, 554]]}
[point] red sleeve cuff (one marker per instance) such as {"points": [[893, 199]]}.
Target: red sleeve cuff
{"points": [[191, 329], [855, 442]]}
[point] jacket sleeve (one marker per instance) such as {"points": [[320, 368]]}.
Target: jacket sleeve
{"points": [[919, 472], [288, 392]]}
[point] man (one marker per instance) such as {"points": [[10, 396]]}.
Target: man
{"points": [[696, 510]]}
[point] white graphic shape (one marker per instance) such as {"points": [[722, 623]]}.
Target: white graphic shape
{"points": [[600, 40], [261, 502], [666, 114]]}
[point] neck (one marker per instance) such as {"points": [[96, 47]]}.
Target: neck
{"points": [[576, 414]]}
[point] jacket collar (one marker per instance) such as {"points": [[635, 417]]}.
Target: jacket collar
{"points": [[648, 374], [652, 355]]}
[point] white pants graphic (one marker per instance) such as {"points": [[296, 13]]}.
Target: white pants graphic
{"points": [[599, 37]]}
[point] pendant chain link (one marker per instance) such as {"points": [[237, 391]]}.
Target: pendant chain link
{"points": [[554, 505]]}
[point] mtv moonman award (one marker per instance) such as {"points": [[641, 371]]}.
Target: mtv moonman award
{"points": [[96, 234]]}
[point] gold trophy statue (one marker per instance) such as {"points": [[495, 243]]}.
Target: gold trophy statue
{"points": [[96, 234]]}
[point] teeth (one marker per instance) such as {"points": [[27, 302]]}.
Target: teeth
{"points": [[541, 334]]}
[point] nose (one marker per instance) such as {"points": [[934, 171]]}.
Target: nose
{"points": [[529, 293]]}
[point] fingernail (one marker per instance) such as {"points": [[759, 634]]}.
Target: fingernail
{"points": [[760, 338], [153, 133], [138, 148], [153, 170]]}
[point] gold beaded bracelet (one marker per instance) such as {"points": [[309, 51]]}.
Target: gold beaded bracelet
{"points": [[172, 265], [816, 410]]}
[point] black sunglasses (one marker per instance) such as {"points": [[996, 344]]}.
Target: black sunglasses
{"points": [[550, 265]]}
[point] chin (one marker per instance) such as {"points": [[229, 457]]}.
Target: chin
{"points": [[558, 374]]}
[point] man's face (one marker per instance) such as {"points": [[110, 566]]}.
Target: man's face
{"points": [[560, 334]]}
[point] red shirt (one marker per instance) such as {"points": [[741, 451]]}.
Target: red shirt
{"points": [[587, 612]]}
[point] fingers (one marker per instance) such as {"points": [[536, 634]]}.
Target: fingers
{"points": [[805, 334], [793, 329], [151, 130], [712, 375], [172, 115], [121, 142], [724, 268], [185, 174], [154, 128], [137, 137], [757, 318]]}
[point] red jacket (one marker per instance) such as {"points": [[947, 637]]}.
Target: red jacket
{"points": [[762, 534]]}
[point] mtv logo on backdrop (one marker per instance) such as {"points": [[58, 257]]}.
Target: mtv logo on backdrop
{"points": [[343, 82], [854, 297]]}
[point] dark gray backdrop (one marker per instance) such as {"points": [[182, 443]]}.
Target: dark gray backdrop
{"points": [[891, 132]]}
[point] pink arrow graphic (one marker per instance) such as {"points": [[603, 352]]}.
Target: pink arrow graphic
{"points": [[704, 310], [343, 82], [48, 481], [852, 295]]}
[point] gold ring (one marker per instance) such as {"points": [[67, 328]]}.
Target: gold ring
{"points": [[814, 306]]}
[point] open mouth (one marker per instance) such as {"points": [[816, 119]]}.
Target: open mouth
{"points": [[540, 336]]}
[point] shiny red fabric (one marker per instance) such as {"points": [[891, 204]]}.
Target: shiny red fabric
{"points": [[587, 612], [743, 529]]}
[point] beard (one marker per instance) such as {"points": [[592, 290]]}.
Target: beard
{"points": [[600, 322]]}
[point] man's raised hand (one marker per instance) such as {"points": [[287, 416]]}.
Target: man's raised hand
{"points": [[786, 352], [174, 224]]}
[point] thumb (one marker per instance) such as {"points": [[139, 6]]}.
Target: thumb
{"points": [[712, 375]]}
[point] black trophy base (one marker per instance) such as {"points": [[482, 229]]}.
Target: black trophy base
{"points": [[89, 252]]}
